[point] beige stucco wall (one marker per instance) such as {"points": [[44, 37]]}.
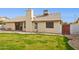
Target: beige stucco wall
{"points": [[9, 26], [57, 28], [42, 27]]}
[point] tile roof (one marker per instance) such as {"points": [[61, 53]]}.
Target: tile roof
{"points": [[50, 17]]}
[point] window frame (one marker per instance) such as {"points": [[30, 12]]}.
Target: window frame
{"points": [[49, 24]]}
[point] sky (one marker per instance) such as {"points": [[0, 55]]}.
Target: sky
{"points": [[67, 14]]}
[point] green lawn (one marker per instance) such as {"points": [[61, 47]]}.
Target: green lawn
{"points": [[33, 42]]}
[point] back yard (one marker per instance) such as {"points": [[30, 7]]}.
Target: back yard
{"points": [[10, 41]]}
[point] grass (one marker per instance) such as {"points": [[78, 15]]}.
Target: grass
{"points": [[10, 41]]}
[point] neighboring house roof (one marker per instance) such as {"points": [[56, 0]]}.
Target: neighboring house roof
{"points": [[77, 20], [2, 19]]}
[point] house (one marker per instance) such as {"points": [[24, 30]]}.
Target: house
{"points": [[46, 22]]}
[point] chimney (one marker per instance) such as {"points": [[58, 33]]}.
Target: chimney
{"points": [[45, 12], [30, 13]]}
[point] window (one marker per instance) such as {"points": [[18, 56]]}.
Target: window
{"points": [[49, 25], [36, 25]]}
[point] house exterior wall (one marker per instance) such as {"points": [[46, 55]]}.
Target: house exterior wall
{"points": [[74, 28], [42, 28], [9, 26], [58, 27]]}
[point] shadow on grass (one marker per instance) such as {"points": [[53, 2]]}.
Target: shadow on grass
{"points": [[67, 45]]}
